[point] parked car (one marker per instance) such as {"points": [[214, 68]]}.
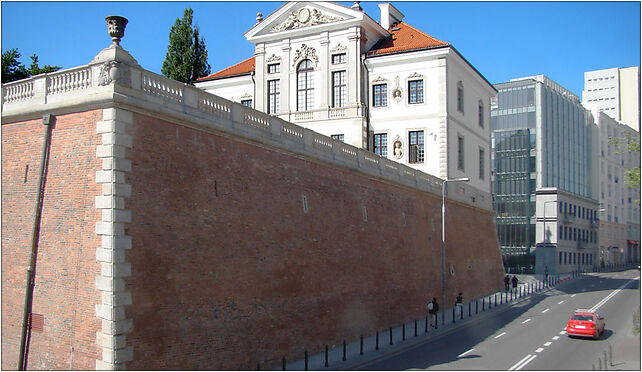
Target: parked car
{"points": [[585, 323]]}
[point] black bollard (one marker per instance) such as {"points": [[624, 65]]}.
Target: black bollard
{"points": [[415, 327], [469, 309], [403, 332], [453, 315], [326, 355], [361, 348], [483, 304], [344, 350], [306, 360], [476, 307], [377, 345], [436, 321], [426, 330], [495, 299], [284, 363], [461, 309], [390, 335]]}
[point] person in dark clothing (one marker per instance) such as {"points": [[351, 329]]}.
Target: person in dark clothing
{"points": [[459, 304], [433, 308], [507, 282], [514, 282]]}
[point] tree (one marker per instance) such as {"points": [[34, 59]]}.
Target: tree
{"points": [[186, 58], [13, 70]]}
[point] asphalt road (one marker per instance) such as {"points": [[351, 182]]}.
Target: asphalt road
{"points": [[531, 335]]}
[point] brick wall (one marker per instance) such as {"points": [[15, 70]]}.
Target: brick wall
{"points": [[66, 265], [229, 269]]}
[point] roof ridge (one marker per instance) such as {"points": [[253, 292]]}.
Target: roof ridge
{"points": [[222, 73]]}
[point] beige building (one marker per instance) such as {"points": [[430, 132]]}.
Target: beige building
{"points": [[615, 91]]}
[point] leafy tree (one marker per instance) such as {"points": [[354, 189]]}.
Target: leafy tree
{"points": [[186, 58], [13, 70]]}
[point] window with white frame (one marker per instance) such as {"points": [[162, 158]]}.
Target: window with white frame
{"points": [[305, 85], [381, 144], [416, 146], [274, 96], [415, 91], [338, 89], [482, 163], [460, 96], [460, 152], [338, 58], [380, 95], [273, 68]]}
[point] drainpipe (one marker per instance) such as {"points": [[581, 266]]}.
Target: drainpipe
{"points": [[365, 98], [44, 160], [254, 88]]}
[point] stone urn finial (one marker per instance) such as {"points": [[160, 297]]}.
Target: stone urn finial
{"points": [[116, 27]]}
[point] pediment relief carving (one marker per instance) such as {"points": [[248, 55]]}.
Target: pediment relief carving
{"points": [[338, 48], [380, 79], [304, 17], [273, 58]]}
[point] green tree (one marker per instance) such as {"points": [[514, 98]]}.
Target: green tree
{"points": [[629, 143], [186, 58], [13, 70]]}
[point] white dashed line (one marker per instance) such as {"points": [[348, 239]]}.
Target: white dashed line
{"points": [[462, 354], [563, 332], [548, 344], [539, 350], [561, 302], [526, 321], [500, 335], [545, 311], [572, 295], [556, 338]]}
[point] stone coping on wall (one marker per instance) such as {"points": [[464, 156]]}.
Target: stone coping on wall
{"points": [[114, 79]]}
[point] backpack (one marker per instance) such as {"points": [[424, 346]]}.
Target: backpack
{"points": [[430, 306]]}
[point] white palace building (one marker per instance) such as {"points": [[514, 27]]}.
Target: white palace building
{"points": [[385, 87]]}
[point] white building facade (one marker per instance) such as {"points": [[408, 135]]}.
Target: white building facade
{"points": [[619, 233], [385, 87], [615, 91]]}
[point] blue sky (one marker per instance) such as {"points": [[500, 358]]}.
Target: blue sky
{"points": [[503, 40]]}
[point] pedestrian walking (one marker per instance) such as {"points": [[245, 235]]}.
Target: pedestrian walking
{"points": [[507, 282], [459, 304], [546, 274], [433, 308], [515, 280]]}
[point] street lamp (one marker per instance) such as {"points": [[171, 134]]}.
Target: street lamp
{"points": [[443, 242]]}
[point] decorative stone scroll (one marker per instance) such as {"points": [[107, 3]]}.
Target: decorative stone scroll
{"points": [[305, 52], [304, 17], [273, 58], [338, 48]]}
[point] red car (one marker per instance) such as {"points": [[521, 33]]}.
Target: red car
{"points": [[585, 323]]}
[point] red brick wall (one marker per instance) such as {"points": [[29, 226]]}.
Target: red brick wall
{"points": [[66, 264], [228, 271]]}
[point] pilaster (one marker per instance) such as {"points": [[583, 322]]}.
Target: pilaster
{"points": [[115, 297]]}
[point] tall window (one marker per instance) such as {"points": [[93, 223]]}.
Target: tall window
{"points": [[482, 164], [416, 91], [338, 89], [305, 85], [460, 152], [416, 147], [274, 96], [460, 96], [381, 144], [481, 114], [380, 95]]}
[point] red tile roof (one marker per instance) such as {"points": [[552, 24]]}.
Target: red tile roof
{"points": [[404, 38], [241, 68]]}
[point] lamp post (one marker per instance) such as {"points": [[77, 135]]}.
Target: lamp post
{"points": [[443, 242]]}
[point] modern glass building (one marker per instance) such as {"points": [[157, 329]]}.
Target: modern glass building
{"points": [[542, 137]]}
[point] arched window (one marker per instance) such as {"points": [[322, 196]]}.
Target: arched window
{"points": [[305, 85]]}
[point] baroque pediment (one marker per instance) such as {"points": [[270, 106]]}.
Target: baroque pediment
{"points": [[305, 17]]}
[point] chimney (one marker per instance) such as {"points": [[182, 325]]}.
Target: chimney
{"points": [[389, 15]]}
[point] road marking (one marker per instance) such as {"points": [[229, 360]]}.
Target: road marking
{"points": [[572, 295], [545, 311], [500, 335], [526, 321], [522, 363], [462, 354], [548, 344], [561, 302], [539, 350], [556, 338], [563, 332], [605, 299]]}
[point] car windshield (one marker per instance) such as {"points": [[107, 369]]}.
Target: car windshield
{"points": [[586, 318]]}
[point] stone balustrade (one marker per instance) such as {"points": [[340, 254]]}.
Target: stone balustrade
{"points": [[85, 84]]}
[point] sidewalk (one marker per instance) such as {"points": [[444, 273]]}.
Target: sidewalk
{"points": [[392, 340]]}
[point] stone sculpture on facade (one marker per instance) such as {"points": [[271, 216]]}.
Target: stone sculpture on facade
{"points": [[304, 17]]}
